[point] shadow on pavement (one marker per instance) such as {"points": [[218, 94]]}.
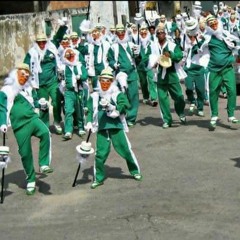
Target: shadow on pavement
{"points": [[237, 160]]}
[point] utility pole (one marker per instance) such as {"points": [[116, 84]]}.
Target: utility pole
{"points": [[115, 16], [36, 6]]}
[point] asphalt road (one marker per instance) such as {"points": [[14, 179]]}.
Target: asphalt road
{"points": [[190, 188]]}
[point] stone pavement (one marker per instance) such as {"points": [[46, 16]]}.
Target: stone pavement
{"points": [[190, 188]]}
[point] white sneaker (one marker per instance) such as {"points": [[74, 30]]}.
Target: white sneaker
{"points": [[213, 122], [81, 133], [191, 108], [233, 120], [58, 128], [31, 188], [67, 136], [200, 113], [46, 169], [145, 101]]}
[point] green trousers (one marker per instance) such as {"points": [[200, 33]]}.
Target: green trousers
{"points": [[23, 135], [175, 91], [133, 98], [122, 146], [147, 84], [226, 77], [73, 106], [52, 91], [195, 83]]}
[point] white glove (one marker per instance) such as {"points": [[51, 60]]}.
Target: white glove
{"points": [[113, 114], [200, 50], [104, 102], [136, 49], [63, 21], [110, 107], [121, 77], [116, 66], [89, 126], [43, 104], [3, 128]]}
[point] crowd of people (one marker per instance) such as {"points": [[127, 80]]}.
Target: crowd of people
{"points": [[92, 82]]}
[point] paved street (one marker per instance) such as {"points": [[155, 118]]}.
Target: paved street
{"points": [[190, 189]]}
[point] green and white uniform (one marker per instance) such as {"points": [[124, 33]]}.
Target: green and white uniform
{"points": [[146, 76], [123, 60], [44, 66], [195, 80], [98, 53], [18, 107], [168, 81], [110, 130], [220, 67], [75, 74]]}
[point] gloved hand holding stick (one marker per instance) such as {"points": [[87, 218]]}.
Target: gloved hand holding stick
{"points": [[4, 150]]}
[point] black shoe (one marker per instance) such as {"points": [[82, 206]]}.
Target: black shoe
{"points": [[154, 103], [183, 119]]}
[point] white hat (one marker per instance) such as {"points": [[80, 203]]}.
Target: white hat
{"points": [[165, 62], [85, 148], [191, 24], [197, 4], [138, 18], [4, 150], [143, 26], [85, 26]]}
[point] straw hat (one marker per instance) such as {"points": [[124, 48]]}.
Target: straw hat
{"points": [[106, 73], [120, 28], [74, 35], [24, 66], [209, 19], [161, 27], [41, 37], [112, 28], [165, 62], [162, 16], [134, 26], [143, 28], [85, 148]]}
